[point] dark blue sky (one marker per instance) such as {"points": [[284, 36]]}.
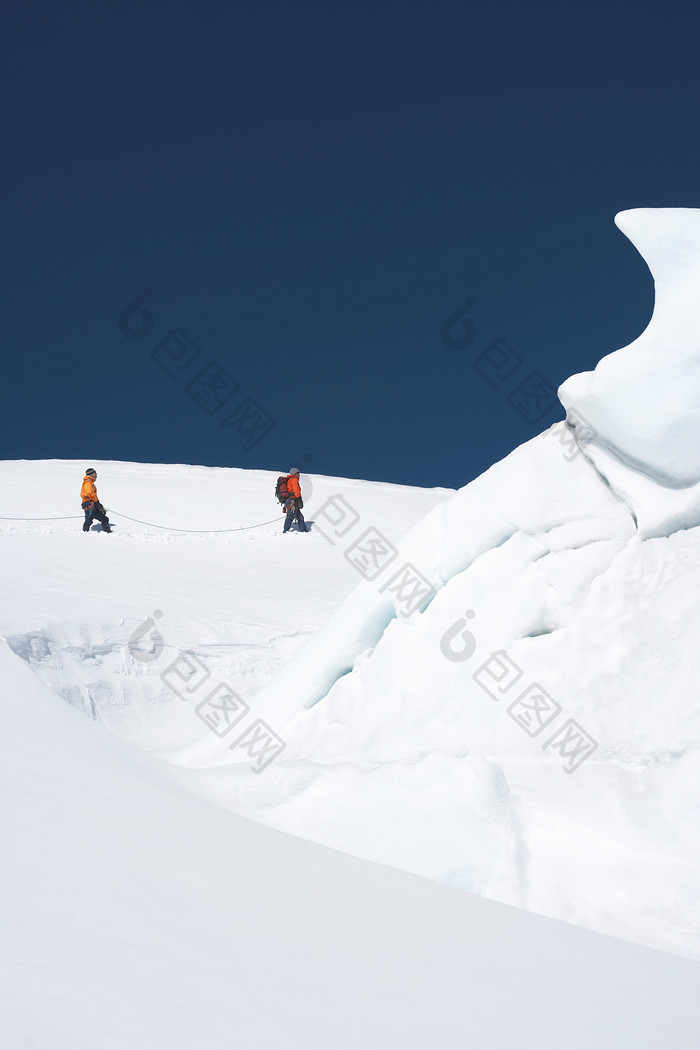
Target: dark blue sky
{"points": [[310, 190]]}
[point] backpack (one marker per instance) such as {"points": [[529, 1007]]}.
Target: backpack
{"points": [[281, 488]]}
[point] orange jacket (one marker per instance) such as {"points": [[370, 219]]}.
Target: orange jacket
{"points": [[88, 491], [293, 488]]}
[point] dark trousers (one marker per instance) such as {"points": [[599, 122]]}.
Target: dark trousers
{"points": [[95, 512], [294, 514]]}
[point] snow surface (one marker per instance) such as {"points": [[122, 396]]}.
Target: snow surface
{"points": [[407, 761], [226, 595], [643, 401], [565, 580], [136, 916], [139, 916]]}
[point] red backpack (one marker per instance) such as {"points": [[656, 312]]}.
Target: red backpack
{"points": [[281, 488]]}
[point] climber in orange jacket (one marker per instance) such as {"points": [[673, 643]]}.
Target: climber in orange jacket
{"points": [[294, 502], [90, 503]]}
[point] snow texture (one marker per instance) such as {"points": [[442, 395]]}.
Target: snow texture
{"points": [[643, 402]]}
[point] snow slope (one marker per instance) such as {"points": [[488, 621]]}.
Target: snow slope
{"points": [[643, 400], [136, 916], [227, 595], [407, 760], [639, 411]]}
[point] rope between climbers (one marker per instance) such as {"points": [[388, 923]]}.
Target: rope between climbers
{"points": [[209, 532], [151, 525]]}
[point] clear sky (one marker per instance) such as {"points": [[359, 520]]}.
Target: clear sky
{"points": [[309, 191]]}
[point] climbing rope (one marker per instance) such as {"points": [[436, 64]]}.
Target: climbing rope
{"points": [[209, 532], [150, 524]]}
